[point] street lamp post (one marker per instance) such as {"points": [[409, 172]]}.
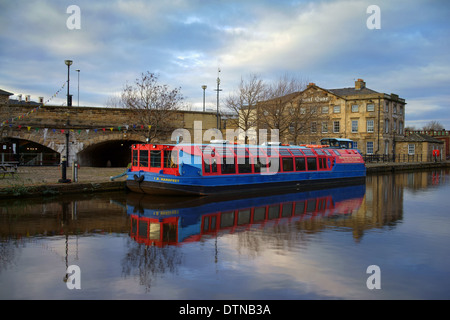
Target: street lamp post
{"points": [[78, 70], [204, 88], [218, 84], [65, 157], [69, 100]]}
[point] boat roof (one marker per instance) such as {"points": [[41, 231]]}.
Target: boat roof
{"points": [[233, 145], [337, 139]]}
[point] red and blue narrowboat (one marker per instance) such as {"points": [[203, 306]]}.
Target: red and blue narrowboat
{"points": [[224, 168]]}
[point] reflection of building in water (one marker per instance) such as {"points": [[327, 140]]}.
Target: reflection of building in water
{"points": [[383, 202], [80, 214]]}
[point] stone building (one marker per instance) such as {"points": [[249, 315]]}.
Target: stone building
{"points": [[4, 96], [370, 118], [441, 135], [418, 147]]}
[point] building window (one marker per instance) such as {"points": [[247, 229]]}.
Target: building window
{"points": [[394, 109], [400, 127], [354, 126], [370, 125], [325, 109], [336, 126], [291, 127], [314, 127], [355, 108], [337, 109], [370, 107], [411, 149], [386, 147], [324, 127], [369, 147], [386, 107], [386, 126]]}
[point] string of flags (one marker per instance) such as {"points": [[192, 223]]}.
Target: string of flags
{"points": [[79, 131], [9, 122]]}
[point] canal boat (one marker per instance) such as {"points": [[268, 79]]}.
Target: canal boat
{"points": [[339, 143], [161, 221], [224, 168]]}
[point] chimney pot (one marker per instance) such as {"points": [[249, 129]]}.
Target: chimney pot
{"points": [[360, 84]]}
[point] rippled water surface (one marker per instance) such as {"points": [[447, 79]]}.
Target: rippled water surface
{"points": [[306, 245]]}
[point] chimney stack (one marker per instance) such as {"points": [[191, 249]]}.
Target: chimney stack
{"points": [[360, 84]]}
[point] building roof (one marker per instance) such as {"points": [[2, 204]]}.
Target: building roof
{"points": [[418, 137], [5, 93], [352, 91], [27, 103]]}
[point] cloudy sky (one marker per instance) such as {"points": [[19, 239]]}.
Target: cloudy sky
{"points": [[186, 41]]}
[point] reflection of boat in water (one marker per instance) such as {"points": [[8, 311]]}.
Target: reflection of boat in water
{"points": [[167, 221]]}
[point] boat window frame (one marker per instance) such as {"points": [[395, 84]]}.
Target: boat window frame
{"points": [[304, 163]]}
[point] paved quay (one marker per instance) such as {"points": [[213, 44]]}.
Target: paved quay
{"points": [[38, 181], [43, 181]]}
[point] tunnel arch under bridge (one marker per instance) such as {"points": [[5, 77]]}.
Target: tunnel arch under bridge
{"points": [[47, 148], [113, 150]]}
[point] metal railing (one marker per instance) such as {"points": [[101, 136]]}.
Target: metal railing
{"points": [[32, 159], [369, 158]]}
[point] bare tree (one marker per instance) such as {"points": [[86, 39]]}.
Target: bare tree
{"points": [[154, 104], [276, 111], [433, 125], [114, 101], [242, 104]]}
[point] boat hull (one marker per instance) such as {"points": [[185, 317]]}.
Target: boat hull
{"points": [[150, 185]]}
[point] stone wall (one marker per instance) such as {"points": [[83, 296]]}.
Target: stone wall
{"points": [[87, 126]]}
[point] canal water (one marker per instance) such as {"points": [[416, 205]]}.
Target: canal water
{"points": [[386, 239]]}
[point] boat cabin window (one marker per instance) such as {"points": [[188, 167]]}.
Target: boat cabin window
{"points": [[300, 164], [155, 158], [244, 165], [322, 163], [170, 159], [143, 158], [210, 165], [312, 163], [287, 164], [260, 165], [228, 165], [135, 158]]}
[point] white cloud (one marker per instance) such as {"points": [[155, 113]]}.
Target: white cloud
{"points": [[186, 41]]}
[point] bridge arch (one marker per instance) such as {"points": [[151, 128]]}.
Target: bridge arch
{"points": [[113, 150], [35, 138], [28, 152]]}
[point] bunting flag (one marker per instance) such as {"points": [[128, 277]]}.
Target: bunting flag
{"points": [[80, 131]]}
